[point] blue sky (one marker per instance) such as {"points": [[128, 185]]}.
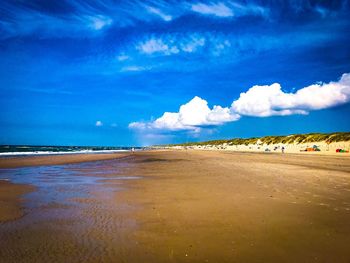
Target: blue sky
{"points": [[144, 72]]}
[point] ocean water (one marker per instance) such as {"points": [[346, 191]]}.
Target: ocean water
{"points": [[9, 150]]}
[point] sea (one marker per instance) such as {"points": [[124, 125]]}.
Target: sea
{"points": [[22, 150]]}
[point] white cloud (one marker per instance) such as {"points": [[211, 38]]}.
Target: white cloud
{"points": [[157, 46], [249, 9], [270, 100], [99, 123], [172, 44], [159, 13], [133, 69], [216, 9], [230, 9], [191, 116], [220, 47], [258, 101], [98, 22], [192, 44], [123, 57]]}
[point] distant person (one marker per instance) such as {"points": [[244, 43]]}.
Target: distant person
{"points": [[282, 149], [132, 149]]}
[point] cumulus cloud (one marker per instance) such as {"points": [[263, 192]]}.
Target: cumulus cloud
{"points": [[270, 100], [258, 101], [191, 116]]}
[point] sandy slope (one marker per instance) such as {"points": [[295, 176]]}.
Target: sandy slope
{"points": [[325, 149]]}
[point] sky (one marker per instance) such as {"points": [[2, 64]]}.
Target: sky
{"points": [[127, 73]]}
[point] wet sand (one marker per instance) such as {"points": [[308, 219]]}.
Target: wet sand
{"points": [[185, 206], [10, 200], [12, 162]]}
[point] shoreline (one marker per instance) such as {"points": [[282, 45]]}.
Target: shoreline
{"points": [[23, 161], [9, 162]]}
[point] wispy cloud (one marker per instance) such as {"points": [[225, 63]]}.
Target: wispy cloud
{"points": [[172, 44], [154, 45], [86, 18], [159, 13], [218, 47], [81, 19], [258, 101], [133, 68], [209, 44], [71, 26], [229, 9], [122, 57], [76, 19], [98, 124], [216, 9], [98, 22]]}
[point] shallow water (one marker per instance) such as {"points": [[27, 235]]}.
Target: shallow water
{"points": [[62, 183], [75, 204]]}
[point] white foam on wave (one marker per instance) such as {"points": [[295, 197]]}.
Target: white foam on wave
{"points": [[59, 153]]}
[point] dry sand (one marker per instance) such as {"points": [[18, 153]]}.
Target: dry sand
{"points": [[199, 206], [299, 148]]}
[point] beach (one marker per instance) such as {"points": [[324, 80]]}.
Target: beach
{"points": [[317, 147], [10, 201], [176, 206], [20, 161]]}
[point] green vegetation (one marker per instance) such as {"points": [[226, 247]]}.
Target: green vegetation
{"points": [[295, 138]]}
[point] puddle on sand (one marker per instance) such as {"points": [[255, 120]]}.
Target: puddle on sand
{"points": [[62, 183], [73, 203]]}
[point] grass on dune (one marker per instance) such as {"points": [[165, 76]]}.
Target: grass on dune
{"points": [[288, 139]]}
